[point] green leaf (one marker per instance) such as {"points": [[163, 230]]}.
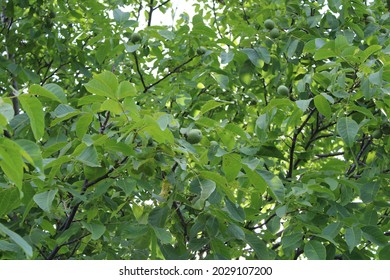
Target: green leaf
{"points": [[45, 92], [236, 212], [11, 162], [384, 253], [292, 48], [125, 89], [353, 237], [89, 157], [231, 165], [364, 55], [375, 235], [276, 185], [9, 200], [323, 106], [347, 128], [158, 216], [34, 152], [45, 199], [368, 191], [210, 105], [103, 84], [314, 250], [82, 124], [18, 240], [255, 57], [34, 109], [207, 188], [163, 235], [222, 80], [97, 230], [258, 246]]}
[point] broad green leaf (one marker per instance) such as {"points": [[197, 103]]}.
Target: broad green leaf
{"points": [[82, 124], [331, 231], [158, 216], [276, 185], [222, 183], [254, 57], [384, 253], [235, 231], [292, 240], [11, 162], [6, 110], [97, 230], [210, 105], [45, 199], [231, 165], [292, 48], [112, 106], [207, 188], [41, 91], [368, 191], [34, 152], [375, 235], [364, 55], [163, 235], [18, 240], [256, 180], [222, 80], [347, 128], [89, 157], [236, 212], [125, 89], [34, 109], [104, 84], [226, 57], [9, 200], [353, 237], [314, 250], [323, 106], [258, 246]]}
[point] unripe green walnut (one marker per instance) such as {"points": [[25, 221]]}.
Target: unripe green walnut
{"points": [[269, 24], [283, 90], [377, 134], [274, 33], [194, 136], [370, 19], [201, 51], [135, 37]]}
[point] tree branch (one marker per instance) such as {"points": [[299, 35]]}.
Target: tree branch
{"points": [[150, 12], [139, 71], [175, 70], [75, 208], [294, 142]]}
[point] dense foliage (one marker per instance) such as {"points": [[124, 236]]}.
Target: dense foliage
{"points": [[220, 137]]}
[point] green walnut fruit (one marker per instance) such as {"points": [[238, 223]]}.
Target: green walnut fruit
{"points": [[283, 90], [135, 37], [377, 134], [201, 50], [269, 24], [370, 19], [194, 136], [274, 33]]}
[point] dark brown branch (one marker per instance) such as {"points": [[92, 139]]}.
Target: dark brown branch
{"points": [[150, 12], [139, 71], [162, 4], [330, 155], [104, 124], [175, 70], [75, 208], [294, 142], [183, 223]]}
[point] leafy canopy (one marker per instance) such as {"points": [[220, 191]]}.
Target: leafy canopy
{"points": [[97, 102]]}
